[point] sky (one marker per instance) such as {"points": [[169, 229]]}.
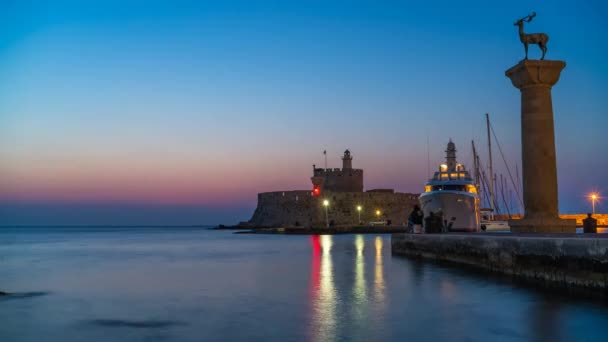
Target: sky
{"points": [[176, 112]]}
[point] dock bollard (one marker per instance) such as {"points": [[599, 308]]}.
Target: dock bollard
{"points": [[590, 225]]}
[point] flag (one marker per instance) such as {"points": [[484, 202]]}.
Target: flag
{"points": [[325, 152]]}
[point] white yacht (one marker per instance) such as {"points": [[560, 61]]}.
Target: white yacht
{"points": [[452, 194]]}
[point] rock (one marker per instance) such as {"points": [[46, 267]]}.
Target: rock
{"points": [[3, 293]]}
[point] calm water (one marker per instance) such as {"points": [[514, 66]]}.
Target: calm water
{"points": [[196, 285]]}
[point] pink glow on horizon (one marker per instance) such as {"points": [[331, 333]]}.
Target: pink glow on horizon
{"points": [[179, 179]]}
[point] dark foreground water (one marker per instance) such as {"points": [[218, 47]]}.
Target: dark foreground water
{"points": [[195, 285]]}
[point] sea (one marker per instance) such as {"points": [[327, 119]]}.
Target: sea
{"points": [[195, 284]]}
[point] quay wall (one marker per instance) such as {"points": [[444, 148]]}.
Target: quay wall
{"points": [[563, 260], [301, 209], [602, 219]]}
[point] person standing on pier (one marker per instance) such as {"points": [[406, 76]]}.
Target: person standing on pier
{"points": [[415, 219]]}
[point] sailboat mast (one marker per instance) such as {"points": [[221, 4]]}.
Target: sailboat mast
{"points": [[475, 164], [491, 169]]}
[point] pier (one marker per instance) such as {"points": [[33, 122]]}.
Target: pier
{"points": [[578, 261]]}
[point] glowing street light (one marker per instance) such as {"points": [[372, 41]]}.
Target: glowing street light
{"points": [[326, 204], [378, 213], [359, 208], [594, 197]]}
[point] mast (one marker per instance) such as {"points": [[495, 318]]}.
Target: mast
{"points": [[428, 156], [491, 169], [502, 194], [475, 165]]}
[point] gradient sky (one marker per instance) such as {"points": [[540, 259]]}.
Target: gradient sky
{"points": [[181, 112]]}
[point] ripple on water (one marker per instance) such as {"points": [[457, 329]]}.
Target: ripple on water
{"points": [[134, 324], [21, 295]]}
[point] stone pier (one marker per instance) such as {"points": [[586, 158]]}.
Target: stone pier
{"points": [[535, 78], [564, 260]]}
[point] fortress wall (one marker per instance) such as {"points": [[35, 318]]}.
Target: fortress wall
{"points": [[292, 208], [285, 208]]}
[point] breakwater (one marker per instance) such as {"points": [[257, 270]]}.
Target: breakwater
{"points": [[564, 260]]}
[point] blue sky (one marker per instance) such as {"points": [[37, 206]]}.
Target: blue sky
{"points": [[178, 105]]}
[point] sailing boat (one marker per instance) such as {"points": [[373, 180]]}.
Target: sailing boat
{"points": [[487, 218]]}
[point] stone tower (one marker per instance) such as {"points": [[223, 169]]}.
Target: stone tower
{"points": [[347, 161], [535, 79], [345, 179], [450, 156]]}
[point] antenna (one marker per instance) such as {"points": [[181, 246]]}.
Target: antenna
{"points": [[428, 156]]}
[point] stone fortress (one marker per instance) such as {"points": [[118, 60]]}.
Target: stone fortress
{"points": [[343, 189]]}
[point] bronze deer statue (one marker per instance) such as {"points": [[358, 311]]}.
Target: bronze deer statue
{"points": [[532, 38]]}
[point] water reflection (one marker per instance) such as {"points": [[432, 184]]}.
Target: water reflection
{"points": [[366, 302], [545, 323], [359, 287], [323, 289], [379, 273], [448, 290], [359, 307]]}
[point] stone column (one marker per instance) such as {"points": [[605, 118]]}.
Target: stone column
{"points": [[534, 78]]}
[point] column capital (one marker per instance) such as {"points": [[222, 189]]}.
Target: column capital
{"points": [[535, 73]]}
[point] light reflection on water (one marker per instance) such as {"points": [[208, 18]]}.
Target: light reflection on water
{"points": [[192, 285], [324, 297], [323, 289]]}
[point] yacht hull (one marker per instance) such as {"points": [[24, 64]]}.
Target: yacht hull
{"points": [[460, 210]]}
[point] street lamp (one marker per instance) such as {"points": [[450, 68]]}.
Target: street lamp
{"points": [[594, 198], [378, 213], [326, 204], [359, 208]]}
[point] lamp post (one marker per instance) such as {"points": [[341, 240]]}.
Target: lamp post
{"points": [[594, 198], [326, 204], [359, 211]]}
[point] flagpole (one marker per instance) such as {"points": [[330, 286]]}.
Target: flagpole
{"points": [[325, 154]]}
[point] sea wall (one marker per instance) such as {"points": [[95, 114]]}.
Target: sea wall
{"points": [[301, 209], [566, 260], [602, 219]]}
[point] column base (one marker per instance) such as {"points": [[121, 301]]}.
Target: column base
{"points": [[543, 225]]}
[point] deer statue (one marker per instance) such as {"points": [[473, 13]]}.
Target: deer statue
{"points": [[532, 38]]}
